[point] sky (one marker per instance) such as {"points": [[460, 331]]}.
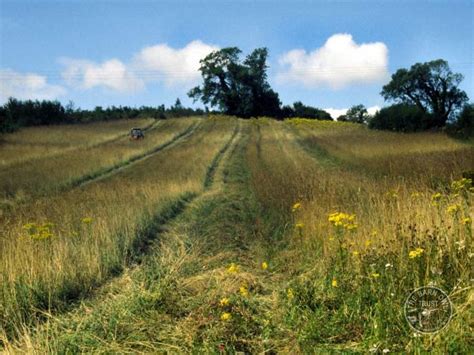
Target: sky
{"points": [[328, 54]]}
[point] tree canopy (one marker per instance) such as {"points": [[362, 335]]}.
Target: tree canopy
{"points": [[357, 114], [431, 86], [235, 87]]}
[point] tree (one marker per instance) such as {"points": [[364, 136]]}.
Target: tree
{"points": [[463, 126], [431, 86], [357, 114], [400, 117], [237, 88], [178, 105]]}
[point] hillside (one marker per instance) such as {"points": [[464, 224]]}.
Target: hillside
{"points": [[224, 235]]}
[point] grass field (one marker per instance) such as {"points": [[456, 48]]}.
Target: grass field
{"points": [[223, 235]]}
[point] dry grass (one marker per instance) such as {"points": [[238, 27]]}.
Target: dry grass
{"points": [[326, 287], [95, 228], [23, 180], [40, 142], [418, 157], [366, 267]]}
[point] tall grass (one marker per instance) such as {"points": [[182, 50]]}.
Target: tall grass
{"points": [[57, 248], [40, 142], [294, 247], [347, 281], [39, 176]]}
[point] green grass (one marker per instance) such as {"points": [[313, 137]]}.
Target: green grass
{"points": [[194, 281]]}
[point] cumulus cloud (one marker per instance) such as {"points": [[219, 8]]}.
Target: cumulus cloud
{"points": [[338, 63], [172, 66], [26, 86], [159, 63], [111, 74], [336, 112]]}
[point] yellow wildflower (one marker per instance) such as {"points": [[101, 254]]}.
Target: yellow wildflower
{"points": [[435, 198], [334, 283], [415, 253], [355, 253], [299, 225], [226, 316], [453, 209], [375, 275], [290, 294], [461, 184], [224, 302], [341, 219], [296, 207], [87, 220], [264, 265], [466, 220], [244, 291], [233, 268]]}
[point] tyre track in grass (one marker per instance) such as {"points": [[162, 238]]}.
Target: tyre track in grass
{"points": [[158, 225], [149, 234], [111, 170], [151, 127]]}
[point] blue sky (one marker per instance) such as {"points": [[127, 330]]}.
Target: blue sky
{"points": [[330, 54]]}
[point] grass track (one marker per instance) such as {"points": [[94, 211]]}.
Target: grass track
{"points": [[325, 290], [164, 200], [108, 171], [21, 182]]}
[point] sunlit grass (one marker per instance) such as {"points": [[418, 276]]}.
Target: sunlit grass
{"points": [[21, 181], [360, 244], [40, 142], [92, 231], [302, 242]]}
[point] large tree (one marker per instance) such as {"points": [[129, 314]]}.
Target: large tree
{"points": [[235, 87], [431, 86]]}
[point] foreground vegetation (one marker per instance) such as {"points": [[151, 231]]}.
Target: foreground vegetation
{"points": [[296, 236]]}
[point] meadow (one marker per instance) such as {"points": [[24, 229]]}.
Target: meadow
{"points": [[222, 235]]}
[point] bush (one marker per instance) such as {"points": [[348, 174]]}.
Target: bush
{"points": [[401, 118]]}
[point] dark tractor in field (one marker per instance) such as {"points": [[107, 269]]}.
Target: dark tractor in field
{"points": [[136, 134]]}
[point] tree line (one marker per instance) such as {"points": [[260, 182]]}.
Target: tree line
{"points": [[426, 96], [17, 113]]}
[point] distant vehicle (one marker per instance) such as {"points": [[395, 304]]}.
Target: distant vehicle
{"points": [[137, 133]]}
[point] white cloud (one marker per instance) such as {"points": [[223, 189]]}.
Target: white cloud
{"points": [[26, 86], [336, 112], [172, 66], [373, 110], [111, 74], [159, 63], [338, 63]]}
